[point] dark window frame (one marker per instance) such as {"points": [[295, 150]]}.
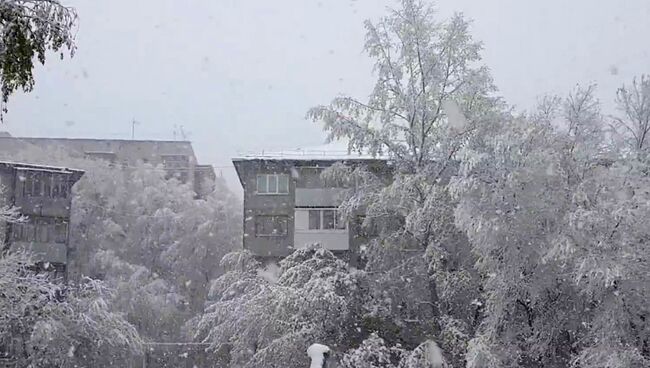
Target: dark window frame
{"points": [[280, 222]]}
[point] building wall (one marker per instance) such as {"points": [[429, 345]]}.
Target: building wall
{"points": [[48, 216], [124, 150], [177, 157], [266, 205], [306, 190], [6, 193]]}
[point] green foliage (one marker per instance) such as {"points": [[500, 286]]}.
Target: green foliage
{"points": [[30, 29]]}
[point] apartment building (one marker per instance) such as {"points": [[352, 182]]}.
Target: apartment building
{"points": [[288, 206], [177, 158], [43, 196]]}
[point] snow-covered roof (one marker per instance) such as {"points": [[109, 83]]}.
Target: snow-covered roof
{"points": [[330, 151], [37, 167], [56, 171]]}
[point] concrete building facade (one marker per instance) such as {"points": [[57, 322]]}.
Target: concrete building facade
{"points": [[43, 196], [177, 158], [288, 205]]}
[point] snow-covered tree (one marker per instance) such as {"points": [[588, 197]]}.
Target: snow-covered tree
{"points": [[432, 95], [147, 237], [254, 322], [31, 28], [8, 215], [373, 353], [633, 102], [554, 218], [46, 324]]}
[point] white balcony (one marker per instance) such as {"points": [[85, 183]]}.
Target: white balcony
{"points": [[334, 238]]}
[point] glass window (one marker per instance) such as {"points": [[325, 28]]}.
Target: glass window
{"points": [[283, 183], [37, 187], [28, 232], [329, 219], [59, 187], [340, 221], [47, 185], [263, 225], [314, 219], [280, 225], [56, 186], [261, 184], [63, 189], [271, 225], [183, 176], [272, 182], [41, 231], [27, 184], [175, 161], [60, 232]]}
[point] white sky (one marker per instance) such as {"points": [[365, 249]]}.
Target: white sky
{"points": [[240, 75]]}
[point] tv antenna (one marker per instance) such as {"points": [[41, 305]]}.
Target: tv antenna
{"points": [[133, 124]]}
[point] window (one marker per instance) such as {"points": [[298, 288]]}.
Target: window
{"points": [[272, 184], [59, 186], [175, 161], [41, 230], [180, 175], [60, 232], [24, 232], [314, 219], [340, 221], [326, 219], [48, 185], [271, 225], [106, 156], [261, 183], [32, 184], [64, 188], [56, 189]]}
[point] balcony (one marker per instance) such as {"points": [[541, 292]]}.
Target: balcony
{"points": [[43, 252], [43, 206], [319, 197], [320, 226], [332, 240]]}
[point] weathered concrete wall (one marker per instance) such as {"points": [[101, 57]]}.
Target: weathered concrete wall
{"points": [[306, 190], [48, 212], [271, 205]]}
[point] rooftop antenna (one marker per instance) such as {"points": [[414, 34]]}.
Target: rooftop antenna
{"points": [[180, 128], [133, 124]]}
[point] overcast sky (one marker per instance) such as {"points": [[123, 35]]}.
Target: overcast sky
{"points": [[239, 75]]}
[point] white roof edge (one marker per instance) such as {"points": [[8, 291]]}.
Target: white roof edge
{"points": [[307, 158], [39, 167], [57, 171], [333, 151]]}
